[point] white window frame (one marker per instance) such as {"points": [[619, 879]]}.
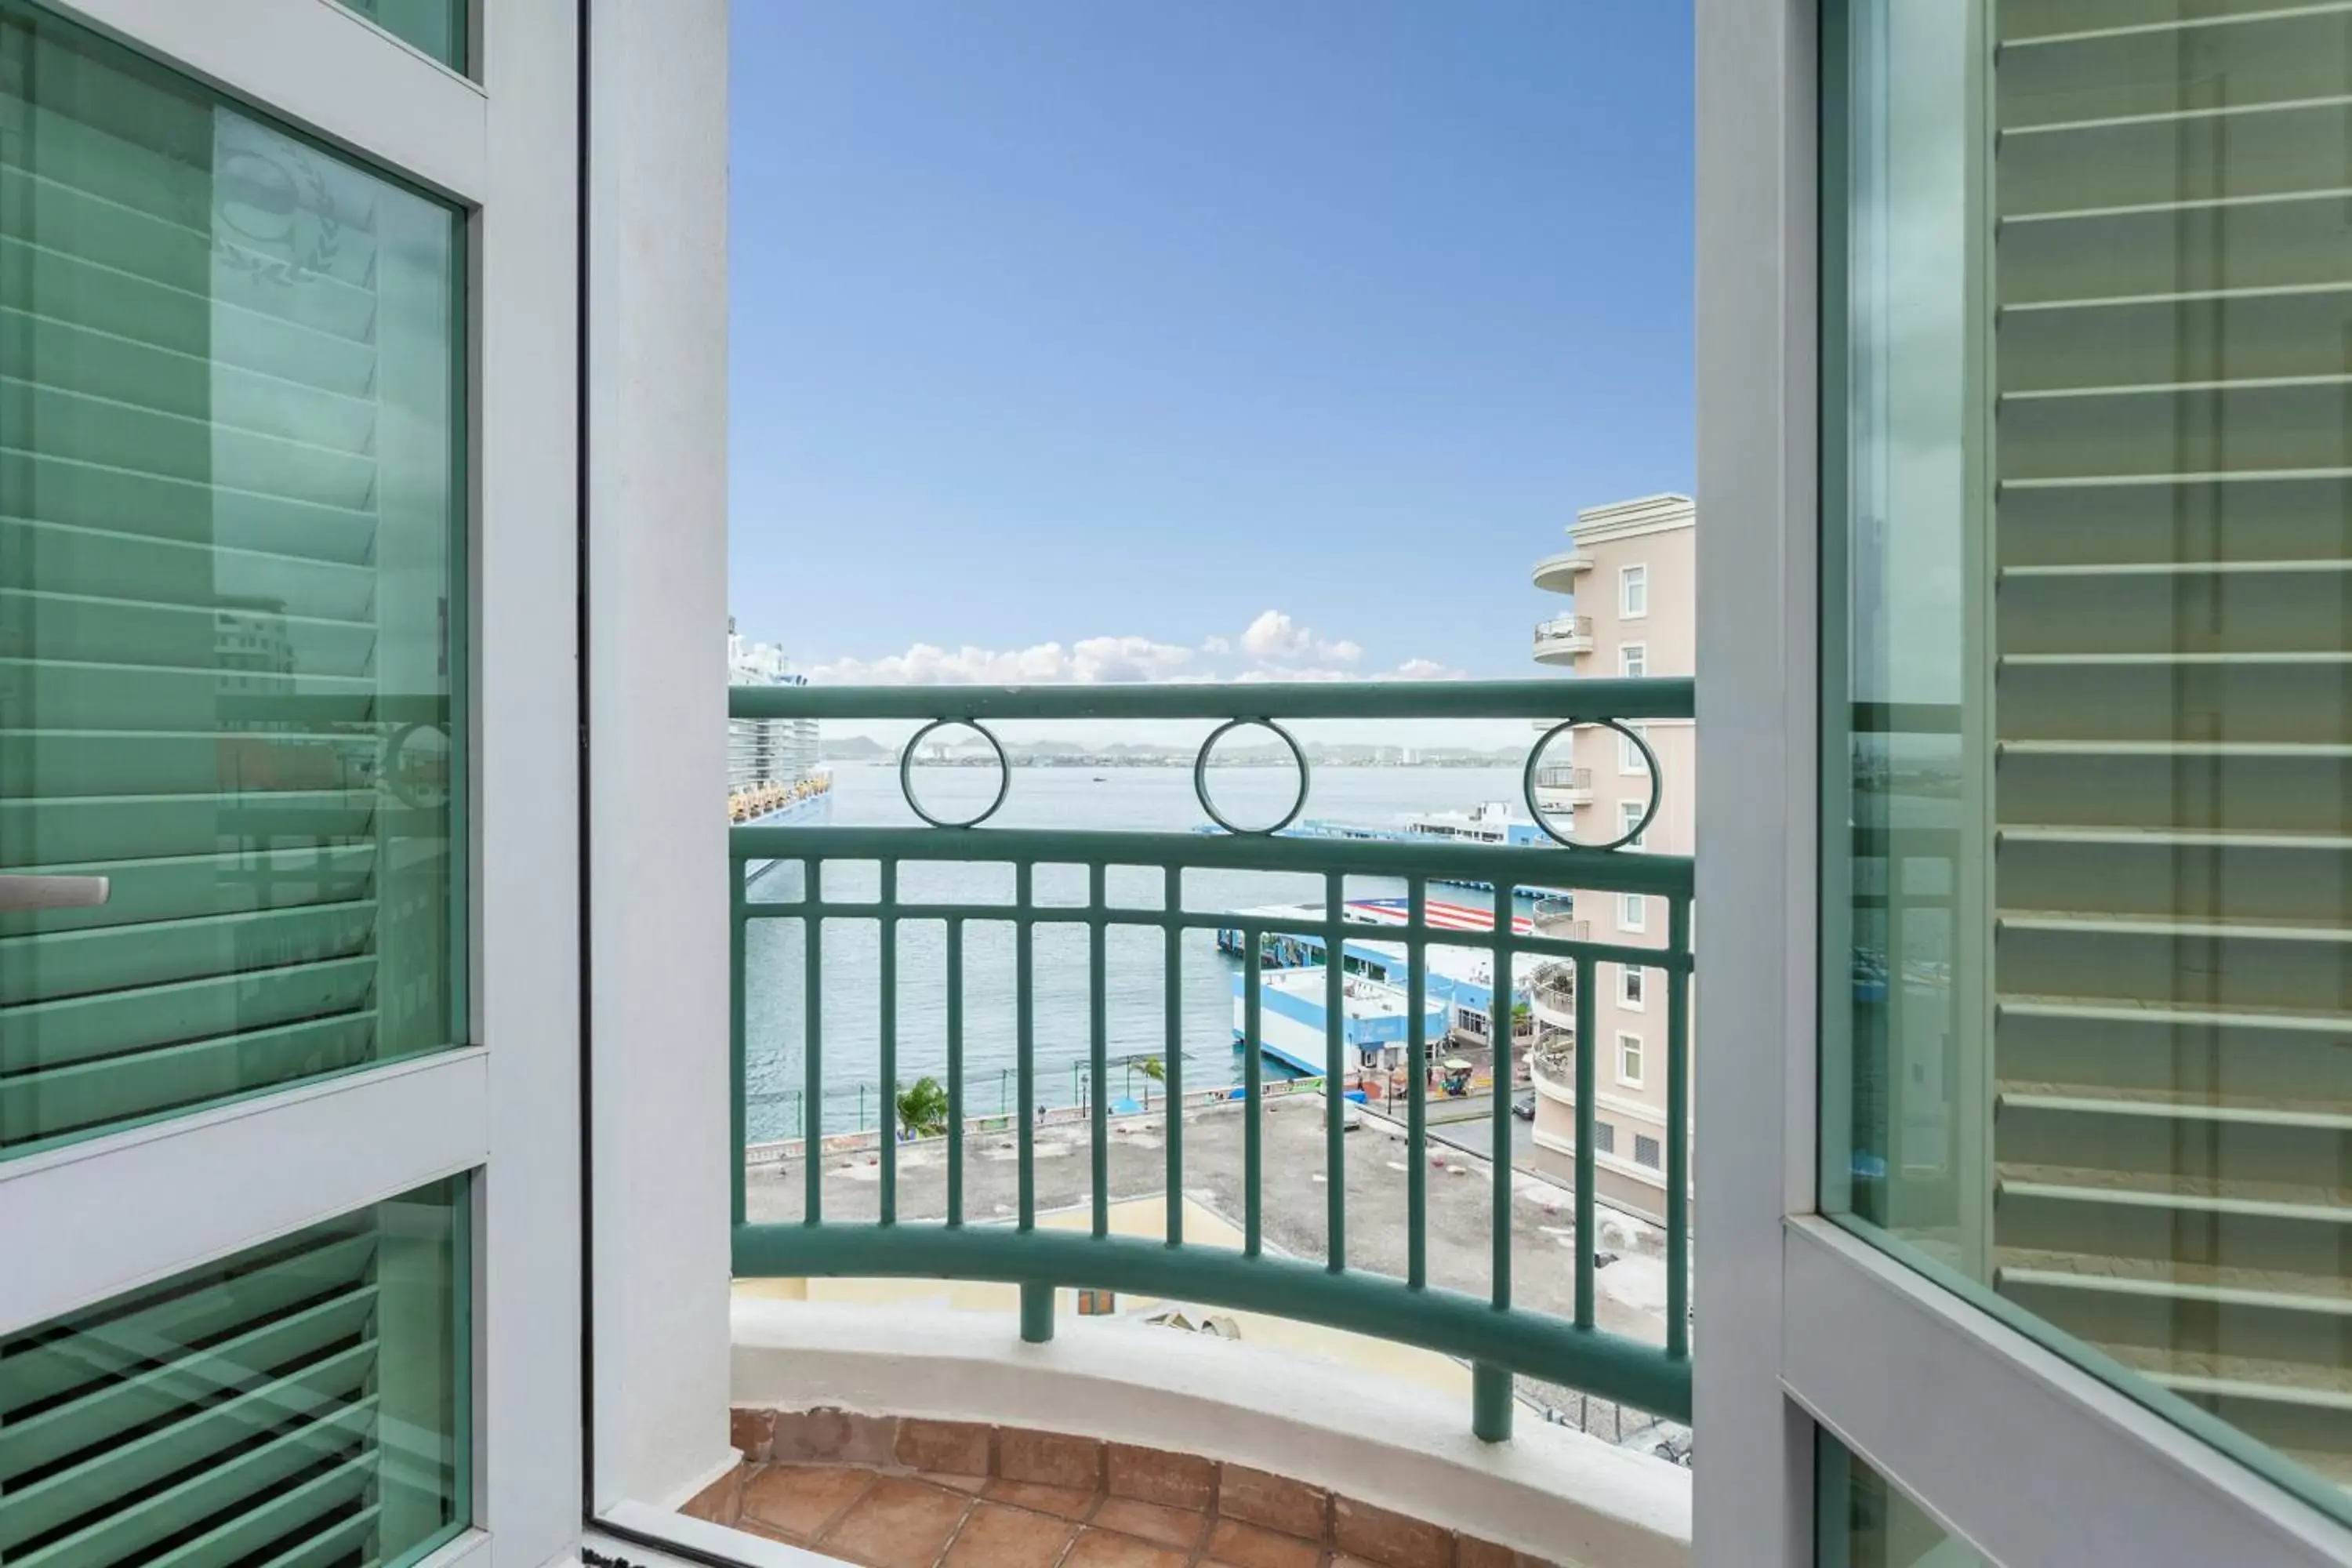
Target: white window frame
{"points": [[1632, 659], [1629, 813], [1632, 987], [1633, 591], [1632, 912], [1627, 1039], [2028, 1459], [1629, 763], [206, 1184]]}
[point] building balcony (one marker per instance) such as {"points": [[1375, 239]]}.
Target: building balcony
{"points": [[1558, 574], [1563, 639], [1562, 788], [1551, 995], [1217, 1316]]}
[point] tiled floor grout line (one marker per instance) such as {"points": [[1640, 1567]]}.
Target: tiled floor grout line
{"points": [[837, 1515], [971, 1507]]}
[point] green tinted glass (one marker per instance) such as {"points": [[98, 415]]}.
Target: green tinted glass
{"points": [[437, 26], [1863, 1521], [2087, 481], [229, 546], [304, 1401]]}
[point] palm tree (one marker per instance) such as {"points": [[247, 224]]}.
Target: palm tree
{"points": [[1153, 1067], [923, 1108]]}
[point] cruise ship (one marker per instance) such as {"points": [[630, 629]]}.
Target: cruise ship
{"points": [[774, 772]]}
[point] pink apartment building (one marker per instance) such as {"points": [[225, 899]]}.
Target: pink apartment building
{"points": [[1630, 570]]}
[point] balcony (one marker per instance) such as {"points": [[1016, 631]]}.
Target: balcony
{"points": [[1163, 1266], [1562, 788], [1563, 639], [1552, 995], [1556, 916], [1558, 574]]}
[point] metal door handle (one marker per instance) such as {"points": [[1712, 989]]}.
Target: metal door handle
{"points": [[20, 893]]}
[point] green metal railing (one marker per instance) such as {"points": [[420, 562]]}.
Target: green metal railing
{"points": [[1497, 1337]]}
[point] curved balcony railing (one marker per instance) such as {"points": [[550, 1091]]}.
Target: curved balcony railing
{"points": [[1563, 785], [1498, 1335], [1555, 1064], [1552, 992], [1557, 916]]}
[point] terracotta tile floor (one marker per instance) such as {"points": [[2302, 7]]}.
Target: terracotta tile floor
{"points": [[893, 1520]]}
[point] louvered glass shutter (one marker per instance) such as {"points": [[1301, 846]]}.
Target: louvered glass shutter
{"points": [[228, 507], [2090, 496], [301, 1403]]}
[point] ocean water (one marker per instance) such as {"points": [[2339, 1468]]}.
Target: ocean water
{"points": [[1150, 798]]}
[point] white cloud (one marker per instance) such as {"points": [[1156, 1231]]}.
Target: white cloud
{"points": [[1089, 661], [1424, 669], [1274, 638], [1217, 644]]}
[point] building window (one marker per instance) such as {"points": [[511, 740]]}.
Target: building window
{"points": [[1628, 817], [1632, 912], [1633, 660], [1629, 1060], [434, 28], [1604, 1138], [232, 485], [1645, 1151], [1630, 760], [311, 1393], [1630, 985], [1632, 592]]}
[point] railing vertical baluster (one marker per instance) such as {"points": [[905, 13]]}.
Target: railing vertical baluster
{"points": [[1677, 1133], [1416, 1122], [1098, 1043], [737, 1075], [1172, 1062], [955, 1070], [1587, 1049], [1253, 1089], [812, 1046], [1335, 1068], [1036, 1298], [1490, 1386], [886, 909], [1025, 1049]]}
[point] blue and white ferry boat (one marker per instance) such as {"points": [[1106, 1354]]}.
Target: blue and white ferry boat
{"points": [[1458, 989]]}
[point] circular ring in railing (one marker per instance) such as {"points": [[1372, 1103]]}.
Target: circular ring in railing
{"points": [[907, 772], [1649, 764], [1201, 775], [390, 768]]}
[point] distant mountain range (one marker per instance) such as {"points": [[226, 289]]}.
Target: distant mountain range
{"points": [[1127, 754]]}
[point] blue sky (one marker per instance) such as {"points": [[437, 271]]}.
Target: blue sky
{"points": [[1115, 338]]}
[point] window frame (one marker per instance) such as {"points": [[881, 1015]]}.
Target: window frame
{"points": [[1633, 660], [337, 1144], [1640, 906], [1629, 762], [1626, 1037], [1791, 1295], [1633, 585], [1632, 987]]}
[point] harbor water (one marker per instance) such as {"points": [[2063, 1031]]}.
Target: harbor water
{"points": [[1133, 799]]}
